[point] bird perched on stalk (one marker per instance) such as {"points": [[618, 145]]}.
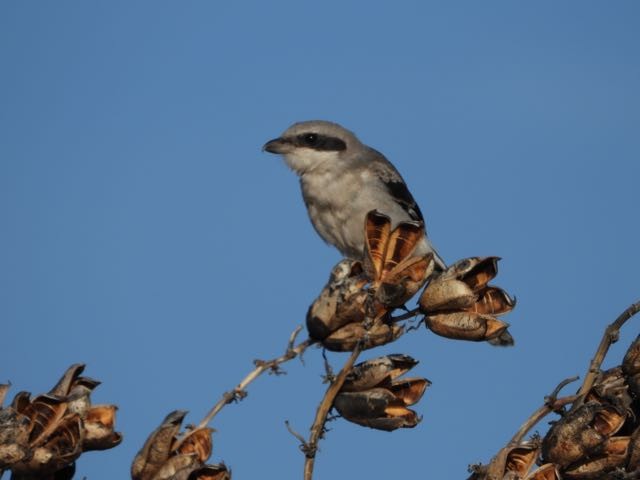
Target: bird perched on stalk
{"points": [[342, 180]]}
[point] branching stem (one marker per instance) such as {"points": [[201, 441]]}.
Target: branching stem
{"points": [[239, 392], [311, 446]]}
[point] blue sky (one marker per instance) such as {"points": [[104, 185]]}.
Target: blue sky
{"points": [[145, 233]]}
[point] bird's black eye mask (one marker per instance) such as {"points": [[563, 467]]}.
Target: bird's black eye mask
{"points": [[319, 142]]}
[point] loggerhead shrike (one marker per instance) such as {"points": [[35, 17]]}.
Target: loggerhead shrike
{"points": [[342, 180]]}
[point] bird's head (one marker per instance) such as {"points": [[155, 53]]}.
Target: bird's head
{"points": [[314, 146]]}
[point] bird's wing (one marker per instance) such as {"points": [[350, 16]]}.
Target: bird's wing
{"points": [[396, 186]]}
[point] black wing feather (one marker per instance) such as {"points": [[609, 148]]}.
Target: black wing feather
{"points": [[399, 191]]}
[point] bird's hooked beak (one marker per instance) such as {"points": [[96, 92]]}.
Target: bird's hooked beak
{"points": [[278, 145]]}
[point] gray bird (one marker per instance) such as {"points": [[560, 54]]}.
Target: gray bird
{"points": [[342, 180]]}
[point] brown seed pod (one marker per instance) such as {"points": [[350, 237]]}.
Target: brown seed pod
{"points": [[346, 338], [68, 379], [492, 301], [547, 471], [14, 435], [466, 326], [4, 388], [520, 459], [211, 472], [459, 304], [633, 462], [45, 413], [199, 442], [612, 455], [395, 273], [378, 371], [57, 450], [382, 408], [443, 295], [375, 397], [581, 433], [177, 467], [157, 448], [341, 301], [631, 367], [610, 387], [99, 424]]}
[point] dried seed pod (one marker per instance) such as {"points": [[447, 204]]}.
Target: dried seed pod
{"points": [[610, 387], [4, 388], [476, 272], [211, 472], [396, 275], [14, 435], [503, 340], [346, 338], [58, 450], [373, 396], [376, 408], [442, 295], [99, 424], [177, 467], [341, 301], [581, 433], [612, 455], [45, 413], [520, 459], [157, 448], [466, 326], [631, 367], [459, 303], [21, 402], [377, 371], [493, 301], [463, 286], [198, 442], [547, 471], [633, 462], [68, 379]]}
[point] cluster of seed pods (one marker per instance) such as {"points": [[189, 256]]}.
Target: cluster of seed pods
{"points": [[42, 436], [358, 302], [166, 455], [596, 437], [357, 307]]}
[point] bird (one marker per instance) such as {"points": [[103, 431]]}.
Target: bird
{"points": [[342, 180]]}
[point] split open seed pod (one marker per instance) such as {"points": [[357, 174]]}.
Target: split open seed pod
{"points": [[99, 424], [631, 367], [612, 455], [199, 443], [547, 471], [42, 436], [157, 449], [378, 371], [459, 303], [164, 457], [14, 437], [520, 459], [342, 300], [633, 461], [396, 272], [374, 396], [55, 451], [581, 433], [464, 285], [346, 338], [466, 326], [211, 472], [610, 387]]}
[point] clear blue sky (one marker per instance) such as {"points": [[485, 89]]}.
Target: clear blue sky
{"points": [[144, 233]]}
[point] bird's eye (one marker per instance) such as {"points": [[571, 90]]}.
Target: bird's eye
{"points": [[310, 139]]}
